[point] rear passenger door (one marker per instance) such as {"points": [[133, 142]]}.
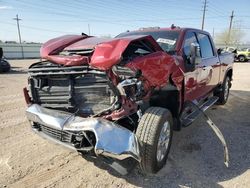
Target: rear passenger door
{"points": [[209, 68]]}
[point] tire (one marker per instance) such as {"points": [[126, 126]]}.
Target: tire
{"points": [[242, 58], [156, 123], [224, 93], [4, 66]]}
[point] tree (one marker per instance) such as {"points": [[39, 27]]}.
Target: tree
{"points": [[235, 38]]}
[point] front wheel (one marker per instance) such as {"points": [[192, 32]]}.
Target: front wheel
{"points": [[154, 132]]}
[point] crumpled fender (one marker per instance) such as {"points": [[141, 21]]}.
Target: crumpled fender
{"points": [[157, 68]]}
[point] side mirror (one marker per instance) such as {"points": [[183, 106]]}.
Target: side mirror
{"points": [[195, 56], [219, 50]]}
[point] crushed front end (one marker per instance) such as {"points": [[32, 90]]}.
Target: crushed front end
{"points": [[90, 94], [80, 107]]}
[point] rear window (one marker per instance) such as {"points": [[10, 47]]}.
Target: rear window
{"points": [[166, 39]]}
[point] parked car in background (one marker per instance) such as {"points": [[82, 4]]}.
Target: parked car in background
{"points": [[4, 64], [231, 50], [243, 54]]}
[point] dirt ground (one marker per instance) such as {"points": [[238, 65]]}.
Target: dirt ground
{"points": [[195, 159]]}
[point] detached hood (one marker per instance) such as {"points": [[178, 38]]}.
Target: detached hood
{"points": [[98, 52]]}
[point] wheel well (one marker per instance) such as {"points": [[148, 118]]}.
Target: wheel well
{"points": [[242, 55], [167, 97]]}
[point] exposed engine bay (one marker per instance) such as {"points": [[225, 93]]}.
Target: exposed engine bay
{"points": [[85, 91]]}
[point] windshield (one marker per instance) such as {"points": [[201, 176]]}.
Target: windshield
{"points": [[166, 39]]}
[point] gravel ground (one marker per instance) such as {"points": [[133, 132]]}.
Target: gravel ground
{"points": [[195, 159]]}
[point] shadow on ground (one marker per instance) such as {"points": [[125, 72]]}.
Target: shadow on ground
{"points": [[196, 156], [16, 70]]}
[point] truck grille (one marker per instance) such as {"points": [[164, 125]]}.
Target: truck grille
{"points": [[54, 133], [70, 88]]}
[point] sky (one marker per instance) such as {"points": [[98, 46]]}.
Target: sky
{"points": [[46, 19]]}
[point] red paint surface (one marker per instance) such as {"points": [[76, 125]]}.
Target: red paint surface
{"points": [[109, 53], [155, 67], [56, 45]]}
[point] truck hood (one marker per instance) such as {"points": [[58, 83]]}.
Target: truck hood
{"points": [[98, 52]]}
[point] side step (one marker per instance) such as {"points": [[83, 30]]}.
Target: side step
{"points": [[197, 109]]}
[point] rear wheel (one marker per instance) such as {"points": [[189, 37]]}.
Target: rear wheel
{"points": [[242, 58], [224, 93], [155, 132]]}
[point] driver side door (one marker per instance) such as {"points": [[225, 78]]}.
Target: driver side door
{"points": [[191, 75]]}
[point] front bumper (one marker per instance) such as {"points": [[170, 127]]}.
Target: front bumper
{"points": [[111, 140]]}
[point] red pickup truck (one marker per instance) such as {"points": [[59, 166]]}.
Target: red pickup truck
{"points": [[120, 99]]}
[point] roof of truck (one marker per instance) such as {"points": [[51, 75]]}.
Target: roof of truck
{"points": [[174, 28]]}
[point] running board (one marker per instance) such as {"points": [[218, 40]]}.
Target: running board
{"points": [[188, 119]]}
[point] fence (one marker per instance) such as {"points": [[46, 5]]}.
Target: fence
{"points": [[18, 51], [239, 46], [21, 51]]}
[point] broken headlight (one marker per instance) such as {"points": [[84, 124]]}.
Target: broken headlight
{"points": [[131, 88]]}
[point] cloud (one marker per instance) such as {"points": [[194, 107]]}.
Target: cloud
{"points": [[5, 7]]}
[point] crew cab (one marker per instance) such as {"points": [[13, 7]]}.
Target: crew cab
{"points": [[121, 98]]}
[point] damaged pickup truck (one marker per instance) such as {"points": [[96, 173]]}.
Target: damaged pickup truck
{"points": [[121, 98]]}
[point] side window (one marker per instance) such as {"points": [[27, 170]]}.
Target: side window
{"points": [[205, 45], [189, 38]]}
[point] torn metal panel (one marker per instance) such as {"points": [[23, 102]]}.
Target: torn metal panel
{"points": [[217, 132], [221, 137]]}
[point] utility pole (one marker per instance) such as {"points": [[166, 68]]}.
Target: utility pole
{"points": [[230, 27], [19, 33], [213, 33], [204, 14]]}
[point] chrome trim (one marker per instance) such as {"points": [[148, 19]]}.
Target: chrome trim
{"points": [[163, 142], [112, 140], [55, 141]]}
